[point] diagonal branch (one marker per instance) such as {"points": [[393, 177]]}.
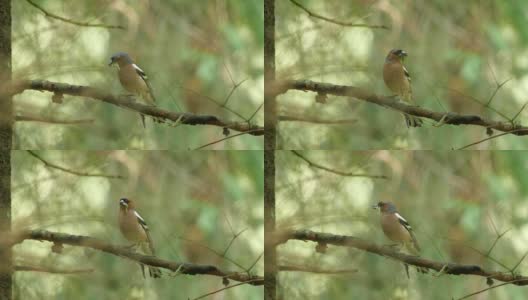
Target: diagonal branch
{"points": [[85, 24], [347, 24], [89, 242], [347, 174], [443, 267], [364, 95], [60, 89], [54, 166]]}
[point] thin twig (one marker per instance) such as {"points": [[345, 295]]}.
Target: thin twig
{"points": [[223, 139], [487, 289], [85, 24], [211, 99], [235, 236], [54, 166], [499, 236], [255, 262], [481, 103], [519, 112], [232, 91], [519, 262], [347, 174], [347, 24], [255, 112], [84, 174], [214, 252], [489, 138], [222, 289], [496, 91]]}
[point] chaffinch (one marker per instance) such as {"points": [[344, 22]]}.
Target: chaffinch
{"points": [[398, 81], [135, 229], [396, 228], [133, 79]]}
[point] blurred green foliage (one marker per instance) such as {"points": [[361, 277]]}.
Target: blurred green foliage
{"points": [[458, 52], [190, 202], [457, 202], [193, 52]]}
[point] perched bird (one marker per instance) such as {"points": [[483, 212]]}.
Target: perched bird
{"points": [[133, 79], [398, 81], [398, 230], [135, 230]]}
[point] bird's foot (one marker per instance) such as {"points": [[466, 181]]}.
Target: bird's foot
{"points": [[394, 247], [129, 97], [132, 247]]}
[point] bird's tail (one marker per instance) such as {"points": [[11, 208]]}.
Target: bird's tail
{"points": [[142, 117], [414, 248], [149, 248], [410, 120]]}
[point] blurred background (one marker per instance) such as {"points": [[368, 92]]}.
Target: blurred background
{"points": [[190, 202], [457, 202], [459, 51], [194, 52]]}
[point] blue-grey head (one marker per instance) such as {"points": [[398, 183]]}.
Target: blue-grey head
{"points": [[121, 58], [124, 203], [396, 54], [385, 207]]}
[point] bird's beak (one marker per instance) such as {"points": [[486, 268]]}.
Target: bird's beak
{"points": [[111, 62], [375, 206], [123, 203], [403, 53]]}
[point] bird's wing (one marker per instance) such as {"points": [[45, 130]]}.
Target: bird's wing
{"points": [[405, 224], [140, 72], [141, 221], [143, 76], [407, 75], [143, 224]]}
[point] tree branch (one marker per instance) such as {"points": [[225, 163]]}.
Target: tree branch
{"points": [[85, 241], [346, 174], [27, 118], [316, 270], [347, 24], [52, 270], [284, 118], [54, 166], [364, 95], [85, 24], [443, 267], [60, 89]]}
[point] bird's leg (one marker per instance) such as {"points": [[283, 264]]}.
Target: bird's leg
{"points": [[128, 97], [395, 97], [132, 247]]}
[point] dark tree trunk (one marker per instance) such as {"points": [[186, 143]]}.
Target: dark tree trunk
{"points": [[270, 123], [6, 128]]}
